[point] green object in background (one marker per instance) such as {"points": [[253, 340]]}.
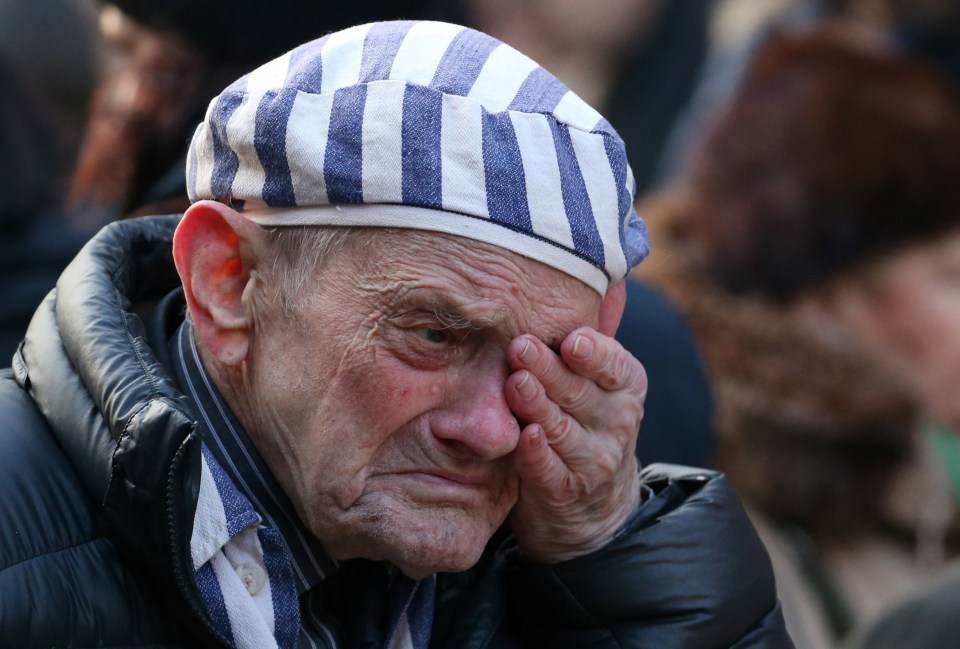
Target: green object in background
{"points": [[946, 444]]}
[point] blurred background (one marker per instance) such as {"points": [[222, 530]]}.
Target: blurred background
{"points": [[797, 163]]}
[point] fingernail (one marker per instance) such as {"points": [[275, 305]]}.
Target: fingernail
{"points": [[536, 436], [529, 352], [582, 347], [525, 387]]}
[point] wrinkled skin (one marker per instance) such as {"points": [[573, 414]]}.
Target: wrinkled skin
{"points": [[418, 398]]}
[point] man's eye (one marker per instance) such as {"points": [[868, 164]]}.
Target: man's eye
{"points": [[432, 334]]}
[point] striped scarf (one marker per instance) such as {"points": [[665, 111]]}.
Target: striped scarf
{"points": [[243, 572]]}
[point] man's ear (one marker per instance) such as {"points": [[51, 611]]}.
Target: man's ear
{"points": [[216, 250], [611, 308]]}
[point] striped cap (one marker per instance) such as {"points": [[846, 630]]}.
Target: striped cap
{"points": [[424, 125]]}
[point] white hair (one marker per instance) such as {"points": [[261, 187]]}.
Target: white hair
{"points": [[301, 253]]}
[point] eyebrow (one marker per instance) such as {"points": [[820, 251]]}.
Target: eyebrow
{"points": [[454, 319], [452, 315], [465, 316]]}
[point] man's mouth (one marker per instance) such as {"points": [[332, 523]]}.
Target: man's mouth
{"points": [[444, 486]]}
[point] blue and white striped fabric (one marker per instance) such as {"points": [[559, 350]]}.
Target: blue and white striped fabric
{"points": [[244, 574], [241, 567], [439, 127], [412, 606]]}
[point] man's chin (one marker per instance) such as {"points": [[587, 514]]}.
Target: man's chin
{"points": [[423, 561], [422, 549], [419, 541]]}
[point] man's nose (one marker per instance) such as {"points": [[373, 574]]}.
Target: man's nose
{"points": [[475, 416]]}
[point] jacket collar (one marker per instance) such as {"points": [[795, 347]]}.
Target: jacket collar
{"points": [[125, 427]]}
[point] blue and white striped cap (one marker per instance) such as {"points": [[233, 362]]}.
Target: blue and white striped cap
{"points": [[430, 126]]}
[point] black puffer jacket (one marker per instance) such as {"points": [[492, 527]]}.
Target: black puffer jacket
{"points": [[99, 474]]}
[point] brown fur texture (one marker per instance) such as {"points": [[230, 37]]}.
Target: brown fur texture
{"points": [[809, 432], [836, 150]]}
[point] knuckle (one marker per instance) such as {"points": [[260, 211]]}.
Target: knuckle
{"points": [[638, 379], [591, 483], [616, 370], [625, 419], [560, 431], [578, 396], [545, 468], [553, 420], [541, 413], [607, 465], [607, 378]]}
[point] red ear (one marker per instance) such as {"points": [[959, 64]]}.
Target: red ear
{"points": [[211, 249], [611, 309]]}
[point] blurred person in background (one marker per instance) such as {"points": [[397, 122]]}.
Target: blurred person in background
{"points": [[928, 620], [54, 49], [816, 252], [99, 103], [166, 63], [49, 64], [740, 28], [678, 412]]}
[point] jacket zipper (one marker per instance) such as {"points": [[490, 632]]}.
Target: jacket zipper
{"points": [[173, 525]]}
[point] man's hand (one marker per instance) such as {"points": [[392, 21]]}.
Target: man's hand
{"points": [[580, 412]]}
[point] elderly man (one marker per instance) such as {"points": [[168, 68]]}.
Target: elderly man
{"points": [[394, 415]]}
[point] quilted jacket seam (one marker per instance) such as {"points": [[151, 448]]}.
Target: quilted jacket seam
{"points": [[50, 553]]}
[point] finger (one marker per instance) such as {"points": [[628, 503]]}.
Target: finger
{"points": [[573, 393], [604, 361], [531, 405], [536, 462]]}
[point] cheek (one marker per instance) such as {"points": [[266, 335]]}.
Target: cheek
{"points": [[923, 340], [929, 334], [939, 356], [383, 394], [395, 391]]}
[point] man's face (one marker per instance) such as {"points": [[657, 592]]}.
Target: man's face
{"points": [[381, 406]]}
